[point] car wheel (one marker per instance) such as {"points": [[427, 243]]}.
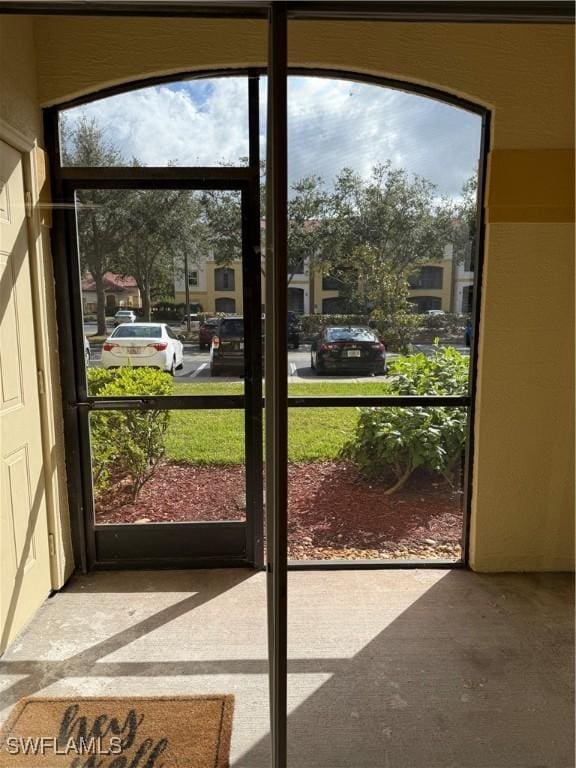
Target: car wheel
{"points": [[172, 369]]}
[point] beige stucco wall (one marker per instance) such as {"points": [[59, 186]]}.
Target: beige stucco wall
{"points": [[522, 510], [21, 126], [207, 298], [524, 493]]}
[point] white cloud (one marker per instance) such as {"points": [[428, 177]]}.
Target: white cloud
{"points": [[332, 124], [161, 124]]}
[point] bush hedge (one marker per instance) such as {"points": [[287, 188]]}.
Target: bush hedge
{"points": [[390, 443], [127, 445], [448, 327]]}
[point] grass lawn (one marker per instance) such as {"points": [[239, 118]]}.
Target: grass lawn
{"points": [[217, 437]]}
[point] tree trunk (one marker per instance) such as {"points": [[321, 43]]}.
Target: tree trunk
{"points": [[146, 302], [100, 303], [397, 485]]}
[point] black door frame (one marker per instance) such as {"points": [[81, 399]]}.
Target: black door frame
{"points": [[168, 545], [67, 178]]}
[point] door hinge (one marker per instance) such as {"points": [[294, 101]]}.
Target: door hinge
{"points": [[28, 204], [51, 547], [41, 387]]}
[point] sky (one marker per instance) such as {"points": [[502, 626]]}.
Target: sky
{"points": [[332, 124]]}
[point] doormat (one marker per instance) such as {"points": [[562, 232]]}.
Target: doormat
{"points": [[139, 732]]}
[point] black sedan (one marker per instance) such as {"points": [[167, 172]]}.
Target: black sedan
{"points": [[353, 349]]}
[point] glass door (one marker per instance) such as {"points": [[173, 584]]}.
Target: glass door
{"points": [[165, 312]]}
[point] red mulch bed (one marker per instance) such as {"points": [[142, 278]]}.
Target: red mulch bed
{"points": [[333, 511], [179, 493]]}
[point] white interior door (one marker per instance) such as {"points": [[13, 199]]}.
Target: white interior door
{"points": [[24, 550]]}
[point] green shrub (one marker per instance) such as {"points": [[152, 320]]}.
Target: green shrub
{"points": [[449, 327], [445, 372], [390, 443], [127, 444], [397, 330]]}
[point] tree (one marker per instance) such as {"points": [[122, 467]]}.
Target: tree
{"points": [[306, 209], [306, 212], [99, 212], [400, 221], [157, 227], [466, 221], [219, 225], [374, 233], [143, 233]]}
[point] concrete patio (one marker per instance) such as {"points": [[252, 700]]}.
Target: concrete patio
{"points": [[395, 669]]}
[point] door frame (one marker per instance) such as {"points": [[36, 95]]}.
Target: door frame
{"points": [[122, 176], [213, 544]]}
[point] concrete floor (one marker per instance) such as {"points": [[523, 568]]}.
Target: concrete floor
{"points": [[388, 669]]}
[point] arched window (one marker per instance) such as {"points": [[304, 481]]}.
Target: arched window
{"points": [[228, 306], [381, 183]]}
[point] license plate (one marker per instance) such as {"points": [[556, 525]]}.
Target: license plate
{"points": [[241, 345], [353, 353], [133, 350]]}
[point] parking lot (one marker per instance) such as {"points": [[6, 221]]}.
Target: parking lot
{"points": [[197, 364]]}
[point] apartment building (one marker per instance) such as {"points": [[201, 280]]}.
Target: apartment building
{"points": [[445, 285]]}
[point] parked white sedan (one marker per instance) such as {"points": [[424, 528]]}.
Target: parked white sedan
{"points": [[154, 345]]}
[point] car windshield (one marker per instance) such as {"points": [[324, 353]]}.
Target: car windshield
{"points": [[234, 327], [350, 334], [138, 332]]}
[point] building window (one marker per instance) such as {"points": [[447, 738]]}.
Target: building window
{"points": [[227, 306], [298, 267], [224, 279], [334, 306], [470, 255], [193, 279], [331, 283], [467, 298], [424, 303], [296, 300], [427, 277]]}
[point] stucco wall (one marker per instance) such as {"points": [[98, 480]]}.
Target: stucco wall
{"points": [[522, 512], [18, 93], [21, 121]]}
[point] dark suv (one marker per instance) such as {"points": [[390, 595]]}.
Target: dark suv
{"points": [[227, 350]]}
